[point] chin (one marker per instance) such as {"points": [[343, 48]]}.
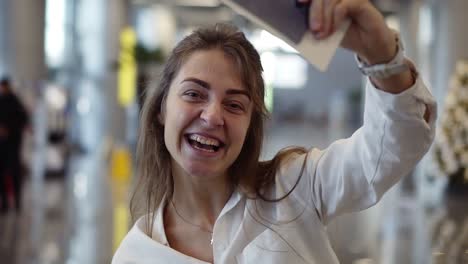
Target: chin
{"points": [[204, 171]]}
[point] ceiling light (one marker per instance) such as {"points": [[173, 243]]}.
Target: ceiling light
{"points": [[198, 3]]}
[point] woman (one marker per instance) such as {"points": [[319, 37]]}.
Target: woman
{"points": [[207, 198]]}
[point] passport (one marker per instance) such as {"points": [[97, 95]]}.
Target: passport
{"points": [[289, 22]]}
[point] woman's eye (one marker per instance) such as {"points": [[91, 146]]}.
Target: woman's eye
{"points": [[192, 95], [236, 106]]}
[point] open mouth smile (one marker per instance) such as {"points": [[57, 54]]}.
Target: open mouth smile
{"points": [[204, 143]]}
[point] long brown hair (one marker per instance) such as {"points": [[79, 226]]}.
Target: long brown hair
{"points": [[153, 159]]}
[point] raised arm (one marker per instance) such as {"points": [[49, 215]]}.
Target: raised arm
{"points": [[368, 35], [399, 118]]}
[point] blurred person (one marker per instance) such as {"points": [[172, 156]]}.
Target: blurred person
{"points": [[204, 194], [13, 120], [3, 158]]}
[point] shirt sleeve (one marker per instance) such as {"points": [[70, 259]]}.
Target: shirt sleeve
{"points": [[352, 174]]}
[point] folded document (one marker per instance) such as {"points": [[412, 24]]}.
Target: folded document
{"points": [[288, 22]]}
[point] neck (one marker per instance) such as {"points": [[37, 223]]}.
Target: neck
{"points": [[198, 198]]}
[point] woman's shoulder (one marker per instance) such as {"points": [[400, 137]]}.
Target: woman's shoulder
{"points": [[296, 160], [137, 244], [137, 235], [292, 169]]}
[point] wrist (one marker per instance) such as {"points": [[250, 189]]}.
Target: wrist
{"points": [[384, 53], [390, 67], [397, 83]]}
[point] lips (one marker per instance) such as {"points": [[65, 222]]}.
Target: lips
{"points": [[204, 142]]}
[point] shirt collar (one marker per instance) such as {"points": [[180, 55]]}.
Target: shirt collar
{"points": [[233, 201], [158, 232]]}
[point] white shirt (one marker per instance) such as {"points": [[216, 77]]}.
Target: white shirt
{"points": [[350, 175]]}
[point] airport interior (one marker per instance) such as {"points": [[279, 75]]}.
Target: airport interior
{"points": [[80, 69]]}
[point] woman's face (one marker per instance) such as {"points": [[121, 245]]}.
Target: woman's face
{"points": [[207, 115]]}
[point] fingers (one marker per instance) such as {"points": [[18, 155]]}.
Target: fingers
{"points": [[328, 17], [322, 17], [339, 14], [316, 17]]}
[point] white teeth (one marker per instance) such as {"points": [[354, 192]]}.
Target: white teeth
{"points": [[204, 140], [207, 150]]}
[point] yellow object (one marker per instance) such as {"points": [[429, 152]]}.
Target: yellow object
{"points": [[121, 170], [121, 165], [121, 217], [127, 67]]}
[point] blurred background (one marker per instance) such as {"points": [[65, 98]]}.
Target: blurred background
{"points": [[79, 69]]}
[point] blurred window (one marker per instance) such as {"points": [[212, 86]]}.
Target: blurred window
{"points": [[55, 32], [283, 66]]}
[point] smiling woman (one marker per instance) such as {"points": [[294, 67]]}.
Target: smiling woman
{"points": [[204, 196], [210, 110], [208, 132]]}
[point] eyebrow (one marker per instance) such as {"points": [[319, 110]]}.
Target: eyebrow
{"points": [[208, 87]]}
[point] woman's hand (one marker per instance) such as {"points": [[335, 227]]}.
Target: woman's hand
{"points": [[368, 35]]}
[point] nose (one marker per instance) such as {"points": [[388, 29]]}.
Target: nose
{"points": [[212, 114]]}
